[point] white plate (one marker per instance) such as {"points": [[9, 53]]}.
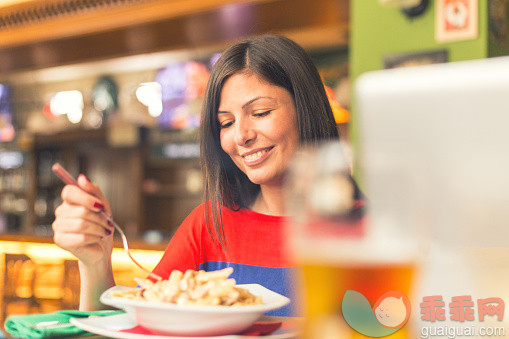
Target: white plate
{"points": [[111, 325], [195, 320]]}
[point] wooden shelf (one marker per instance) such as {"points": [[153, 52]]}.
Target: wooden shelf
{"points": [[71, 138], [144, 193], [16, 193]]}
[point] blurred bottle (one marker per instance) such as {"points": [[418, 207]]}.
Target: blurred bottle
{"points": [[335, 246]]}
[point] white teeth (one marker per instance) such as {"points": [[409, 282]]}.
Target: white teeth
{"points": [[254, 156]]}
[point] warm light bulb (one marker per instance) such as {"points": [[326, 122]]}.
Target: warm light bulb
{"points": [[149, 93], [68, 102]]}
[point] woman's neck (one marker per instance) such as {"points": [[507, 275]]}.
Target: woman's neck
{"points": [[270, 201]]}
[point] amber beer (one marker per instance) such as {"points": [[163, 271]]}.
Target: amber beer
{"points": [[324, 284]]}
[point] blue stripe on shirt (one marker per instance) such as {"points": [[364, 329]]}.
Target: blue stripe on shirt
{"points": [[275, 279]]}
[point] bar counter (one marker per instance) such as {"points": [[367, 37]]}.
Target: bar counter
{"points": [[38, 276]]}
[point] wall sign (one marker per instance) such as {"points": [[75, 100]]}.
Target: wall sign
{"points": [[456, 20]]}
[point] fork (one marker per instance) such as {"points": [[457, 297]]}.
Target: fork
{"points": [[67, 178]]}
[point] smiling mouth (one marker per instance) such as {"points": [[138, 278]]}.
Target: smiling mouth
{"points": [[257, 155]]}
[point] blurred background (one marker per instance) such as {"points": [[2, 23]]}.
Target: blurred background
{"points": [[113, 89]]}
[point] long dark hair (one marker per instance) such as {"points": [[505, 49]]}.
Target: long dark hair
{"points": [[283, 63]]}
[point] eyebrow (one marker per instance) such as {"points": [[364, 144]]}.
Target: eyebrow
{"points": [[249, 102]]}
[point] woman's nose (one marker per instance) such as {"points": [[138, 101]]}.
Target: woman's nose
{"points": [[244, 132]]}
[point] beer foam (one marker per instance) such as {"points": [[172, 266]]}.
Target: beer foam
{"points": [[356, 252]]}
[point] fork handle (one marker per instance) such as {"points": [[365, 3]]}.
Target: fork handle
{"points": [[65, 176]]}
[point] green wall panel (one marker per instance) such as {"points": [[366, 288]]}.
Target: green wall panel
{"points": [[378, 31]]}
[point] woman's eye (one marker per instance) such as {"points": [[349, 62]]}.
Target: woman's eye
{"points": [[225, 124], [262, 114]]}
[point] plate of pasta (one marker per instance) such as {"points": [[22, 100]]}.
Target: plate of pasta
{"points": [[194, 303]]}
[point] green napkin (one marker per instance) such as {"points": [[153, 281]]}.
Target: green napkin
{"points": [[24, 326]]}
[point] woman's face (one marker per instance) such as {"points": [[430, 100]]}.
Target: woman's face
{"points": [[258, 126]]}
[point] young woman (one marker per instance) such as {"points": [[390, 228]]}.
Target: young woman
{"points": [[264, 100]]}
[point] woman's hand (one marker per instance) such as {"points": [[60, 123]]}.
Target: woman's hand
{"points": [[79, 227]]}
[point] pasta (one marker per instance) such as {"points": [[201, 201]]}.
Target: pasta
{"points": [[193, 288]]}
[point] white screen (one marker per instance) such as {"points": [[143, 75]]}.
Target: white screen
{"points": [[434, 149]]}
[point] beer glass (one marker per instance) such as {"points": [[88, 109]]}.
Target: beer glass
{"points": [[338, 248]]}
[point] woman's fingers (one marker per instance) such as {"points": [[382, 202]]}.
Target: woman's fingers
{"points": [[74, 195], [94, 190], [79, 219], [90, 226], [88, 238], [80, 226], [68, 210]]}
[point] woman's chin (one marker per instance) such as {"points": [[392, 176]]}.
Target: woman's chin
{"points": [[256, 181], [265, 180]]}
